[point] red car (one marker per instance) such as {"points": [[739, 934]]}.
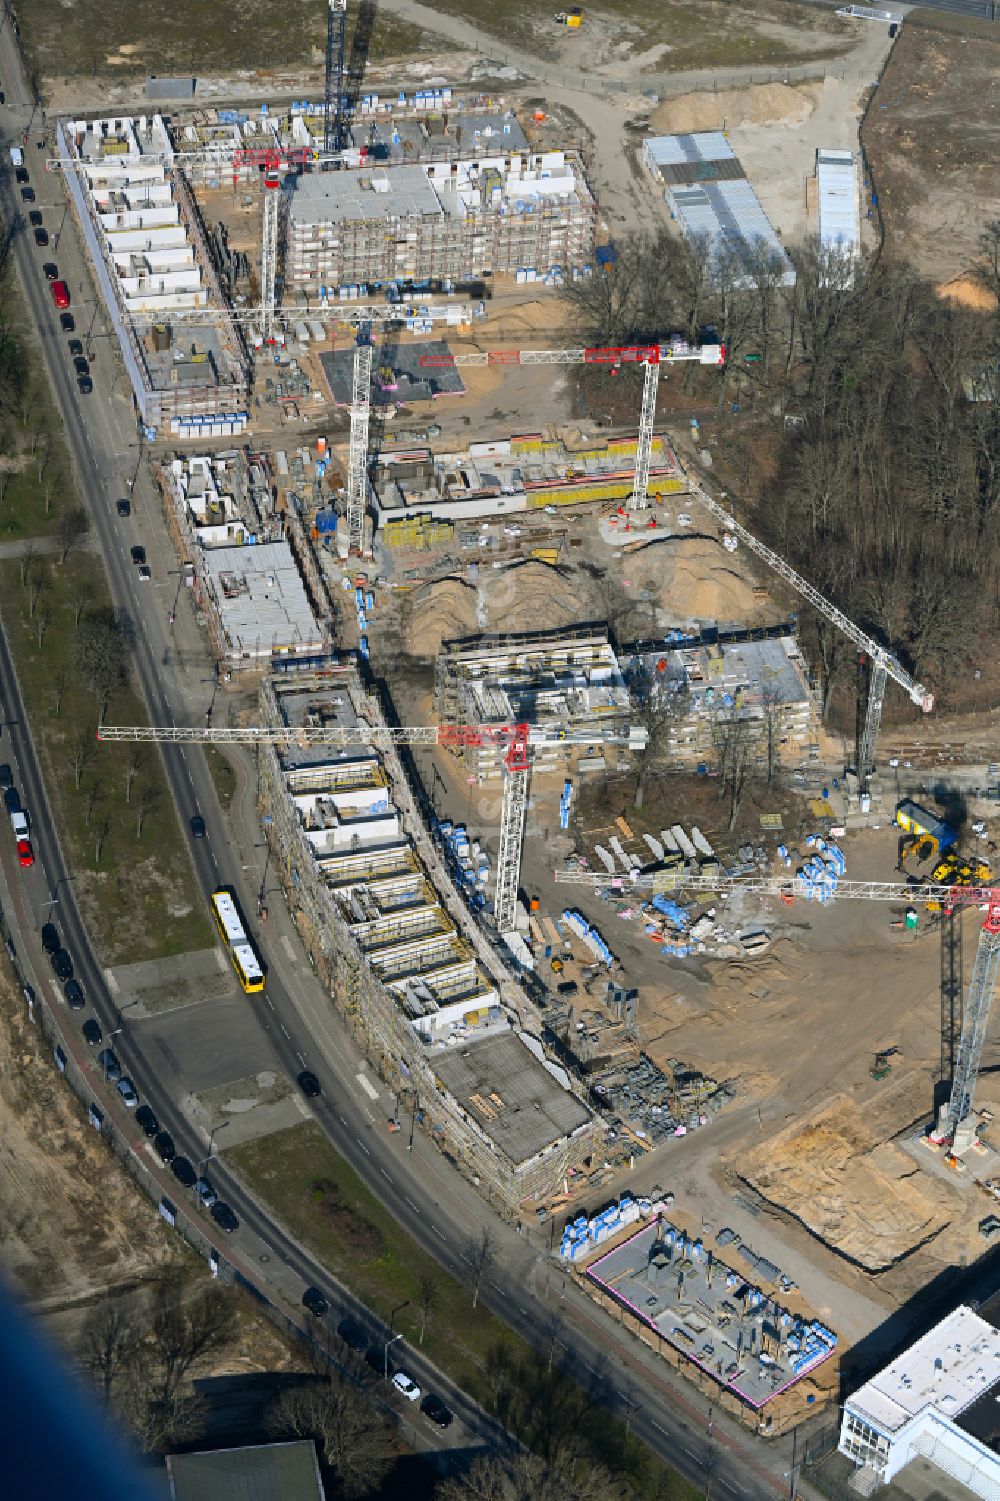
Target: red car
{"points": [[60, 294], [25, 853]]}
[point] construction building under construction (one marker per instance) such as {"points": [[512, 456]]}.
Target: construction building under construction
{"points": [[375, 905], [142, 232], [568, 678], [523, 213], [415, 488]]}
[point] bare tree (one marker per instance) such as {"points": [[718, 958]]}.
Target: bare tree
{"points": [[158, 1423], [182, 1330], [659, 703], [772, 724], [83, 594], [733, 737], [92, 796], [72, 526], [108, 1341], [356, 1444], [37, 583], [101, 832], [43, 618], [427, 1299], [148, 798], [101, 649], [25, 561], [135, 760], [81, 752], [480, 1252], [58, 684]]}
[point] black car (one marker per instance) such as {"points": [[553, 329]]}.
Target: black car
{"points": [[35, 218], [164, 1144], [75, 347], [62, 964], [21, 175], [197, 826], [224, 1217], [92, 1032], [67, 323], [80, 365], [352, 1334], [309, 1084], [123, 507], [85, 384], [50, 937], [73, 992], [377, 1356], [436, 1410], [50, 271], [314, 1300], [108, 1059], [12, 800], [41, 237], [138, 554], [146, 1121], [28, 195], [6, 776], [183, 1172]]}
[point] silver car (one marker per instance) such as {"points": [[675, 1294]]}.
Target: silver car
{"points": [[126, 1089]]}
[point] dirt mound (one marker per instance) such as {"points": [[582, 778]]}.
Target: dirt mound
{"points": [[761, 104], [967, 292], [694, 579], [518, 598]]}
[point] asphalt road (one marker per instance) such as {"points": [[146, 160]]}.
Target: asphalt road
{"points": [[662, 1410]]}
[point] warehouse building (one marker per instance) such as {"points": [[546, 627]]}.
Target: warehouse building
{"points": [[708, 194], [937, 1401], [414, 975], [528, 472], [142, 233], [522, 213]]}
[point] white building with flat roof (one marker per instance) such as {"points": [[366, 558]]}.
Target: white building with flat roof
{"points": [[837, 190], [936, 1401]]}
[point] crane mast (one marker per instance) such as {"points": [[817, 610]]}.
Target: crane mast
{"points": [[334, 124], [357, 462]]}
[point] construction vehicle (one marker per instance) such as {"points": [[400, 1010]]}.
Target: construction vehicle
{"points": [[956, 1126], [881, 1068], [571, 18]]}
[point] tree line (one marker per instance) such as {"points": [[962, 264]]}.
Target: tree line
{"points": [[862, 438]]}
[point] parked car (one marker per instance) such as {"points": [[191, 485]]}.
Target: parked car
{"points": [[60, 294], [352, 1334], [108, 1059], [138, 554], [197, 826], [377, 1356], [81, 366], [144, 573], [406, 1386], [62, 964], [50, 937], [146, 1121], [67, 323], [309, 1084], [35, 218], [435, 1409], [50, 271], [123, 507], [164, 1144], [126, 1089], [25, 854], [6, 777], [41, 237], [314, 1300], [73, 991], [92, 1032], [85, 385], [12, 800], [28, 991], [27, 195], [75, 347], [21, 175], [184, 1172], [206, 1193], [224, 1217]]}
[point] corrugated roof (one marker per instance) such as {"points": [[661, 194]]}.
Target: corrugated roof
{"points": [[266, 1472], [837, 180], [727, 213], [698, 146]]}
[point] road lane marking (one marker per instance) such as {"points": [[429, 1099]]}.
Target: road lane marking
{"points": [[285, 1030], [367, 1085], [385, 1175], [440, 1233], [362, 1146], [343, 1120], [411, 1204], [653, 1423], [300, 1058]]}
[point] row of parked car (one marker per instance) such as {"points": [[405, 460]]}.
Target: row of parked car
{"points": [[145, 1118], [58, 287], [377, 1356], [18, 816]]}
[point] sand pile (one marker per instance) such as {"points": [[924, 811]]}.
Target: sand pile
{"points": [[523, 597], [761, 104], [968, 293], [693, 579]]}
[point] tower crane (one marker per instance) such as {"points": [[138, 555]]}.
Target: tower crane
{"points": [[649, 356], [516, 740], [334, 124], [954, 1123]]}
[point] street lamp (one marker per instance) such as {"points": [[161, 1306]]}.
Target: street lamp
{"points": [[211, 1140], [107, 1050], [393, 1337], [392, 1341]]}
